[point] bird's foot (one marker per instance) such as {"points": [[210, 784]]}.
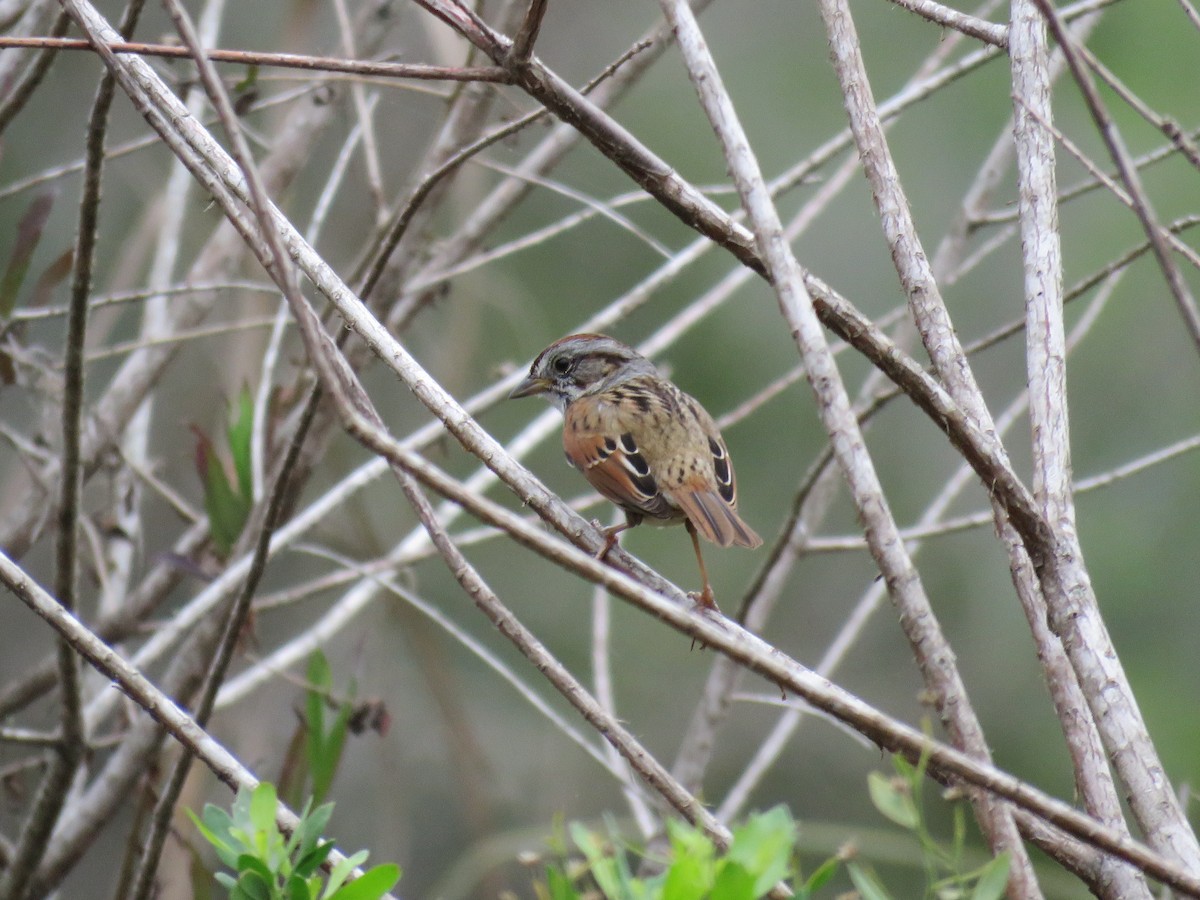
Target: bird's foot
{"points": [[705, 602], [610, 540], [705, 599]]}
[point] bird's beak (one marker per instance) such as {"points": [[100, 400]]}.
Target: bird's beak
{"points": [[529, 387]]}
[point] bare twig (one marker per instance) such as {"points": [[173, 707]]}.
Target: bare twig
{"points": [[1133, 183], [1168, 234], [1046, 354], [947, 17], [1193, 15], [932, 650], [161, 707], [19, 94], [672, 608], [69, 751], [559, 675], [280, 60], [1073, 612], [531, 25], [235, 620]]}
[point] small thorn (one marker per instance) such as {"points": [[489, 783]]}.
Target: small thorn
{"points": [[610, 538]]}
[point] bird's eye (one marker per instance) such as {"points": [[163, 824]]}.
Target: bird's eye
{"points": [[562, 365]]}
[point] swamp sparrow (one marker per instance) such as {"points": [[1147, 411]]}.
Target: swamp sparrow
{"points": [[641, 442]]}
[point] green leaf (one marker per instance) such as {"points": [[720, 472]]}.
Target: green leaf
{"points": [[342, 871], [218, 821], [296, 888], [207, 833], [249, 80], [320, 680], [241, 429], [608, 876], [251, 885], [248, 864], [603, 868], [959, 841], [374, 884], [324, 748], [262, 808], [892, 800], [335, 742], [589, 845], [993, 879], [734, 882], [239, 812], [308, 864], [687, 840], [822, 875], [688, 877], [296, 840], [227, 511], [866, 884], [906, 770], [315, 824], [559, 885], [216, 828], [763, 847]]}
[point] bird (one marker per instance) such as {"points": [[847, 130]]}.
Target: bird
{"points": [[641, 442]]}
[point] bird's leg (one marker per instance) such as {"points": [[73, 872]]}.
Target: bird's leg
{"points": [[611, 532], [704, 598]]}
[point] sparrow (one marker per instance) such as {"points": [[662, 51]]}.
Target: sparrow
{"points": [[641, 442]]}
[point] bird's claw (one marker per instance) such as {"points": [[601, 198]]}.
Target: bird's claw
{"points": [[704, 599]]}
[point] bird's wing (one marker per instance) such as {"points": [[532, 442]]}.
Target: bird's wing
{"points": [[612, 463], [711, 505]]}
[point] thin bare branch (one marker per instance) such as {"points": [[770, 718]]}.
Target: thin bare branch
{"points": [[69, 751], [1102, 179], [162, 708], [278, 60], [1180, 140], [18, 95], [933, 652], [1193, 15], [1141, 202], [671, 606], [531, 26], [262, 526], [1073, 611], [947, 17]]}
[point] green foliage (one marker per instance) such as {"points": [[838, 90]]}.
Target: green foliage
{"points": [[270, 866], [228, 492], [324, 747], [758, 858], [761, 855], [900, 799], [315, 751]]}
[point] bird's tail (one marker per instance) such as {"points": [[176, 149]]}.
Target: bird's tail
{"points": [[715, 520]]}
